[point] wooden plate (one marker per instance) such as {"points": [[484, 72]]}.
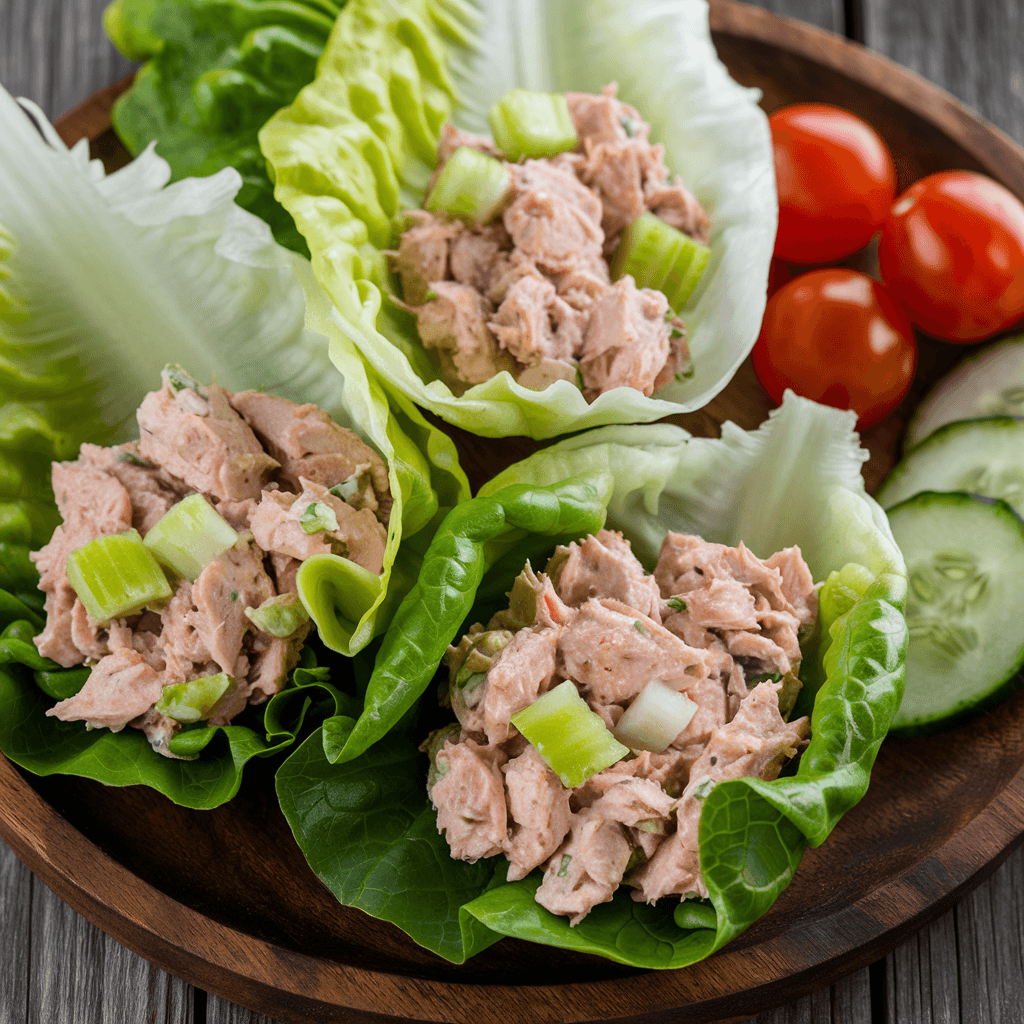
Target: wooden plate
{"points": [[225, 899]]}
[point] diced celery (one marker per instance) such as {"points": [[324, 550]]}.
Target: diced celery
{"points": [[189, 536], [472, 185], [571, 738], [659, 256], [192, 701], [656, 716], [532, 124], [279, 616], [116, 576], [318, 516]]}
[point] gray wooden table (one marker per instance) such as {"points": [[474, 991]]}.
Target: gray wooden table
{"points": [[56, 968]]}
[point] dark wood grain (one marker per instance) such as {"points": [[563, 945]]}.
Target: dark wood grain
{"points": [[262, 931]]}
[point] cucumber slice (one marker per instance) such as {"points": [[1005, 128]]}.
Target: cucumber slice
{"points": [[990, 383], [965, 607], [984, 456]]}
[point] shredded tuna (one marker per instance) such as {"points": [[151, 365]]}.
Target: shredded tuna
{"points": [[713, 622], [531, 292], [261, 462]]}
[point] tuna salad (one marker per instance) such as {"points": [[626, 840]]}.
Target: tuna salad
{"points": [[526, 284], [683, 679], [173, 574]]}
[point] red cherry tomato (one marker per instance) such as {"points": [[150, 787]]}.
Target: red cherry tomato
{"points": [[836, 182], [952, 252], [834, 335], [778, 274]]}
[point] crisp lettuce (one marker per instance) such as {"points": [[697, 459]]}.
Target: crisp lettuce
{"points": [[213, 72], [106, 278], [357, 146], [795, 480], [49, 746], [103, 280]]}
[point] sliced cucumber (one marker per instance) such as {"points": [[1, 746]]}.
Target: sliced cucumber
{"points": [[990, 383], [984, 456], [965, 607]]}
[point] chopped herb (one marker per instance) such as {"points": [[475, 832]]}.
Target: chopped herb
{"points": [[640, 627], [676, 333], [179, 380], [134, 459], [763, 677], [563, 867], [430, 296], [704, 787], [677, 603], [347, 489], [234, 595], [318, 516], [686, 374]]}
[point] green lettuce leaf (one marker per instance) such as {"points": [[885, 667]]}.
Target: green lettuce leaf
{"points": [[795, 480], [214, 71], [358, 144], [106, 278], [48, 746]]}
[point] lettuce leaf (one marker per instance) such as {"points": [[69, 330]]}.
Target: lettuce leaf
{"points": [[49, 746], [357, 146], [213, 72], [106, 278], [795, 480]]}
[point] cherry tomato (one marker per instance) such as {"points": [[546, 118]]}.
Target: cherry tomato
{"points": [[836, 182], [778, 274], [834, 335], [952, 252]]}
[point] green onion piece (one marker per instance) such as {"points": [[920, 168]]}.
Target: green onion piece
{"points": [[116, 576], [279, 616], [655, 717], [563, 865], [677, 603], [318, 516], [179, 380], [703, 788], [572, 739], [472, 186], [532, 124], [348, 487], [659, 256], [134, 459], [189, 536], [192, 701]]}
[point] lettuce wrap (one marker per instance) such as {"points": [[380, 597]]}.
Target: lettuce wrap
{"points": [[354, 792], [213, 73], [358, 145], [106, 278]]}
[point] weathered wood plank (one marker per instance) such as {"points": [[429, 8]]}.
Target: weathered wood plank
{"points": [[15, 937], [990, 933], [55, 52], [77, 973], [220, 1011], [826, 14], [969, 47], [921, 977]]}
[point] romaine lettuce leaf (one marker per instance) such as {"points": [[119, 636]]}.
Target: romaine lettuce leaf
{"points": [[107, 278], [795, 480], [214, 71], [357, 146]]}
